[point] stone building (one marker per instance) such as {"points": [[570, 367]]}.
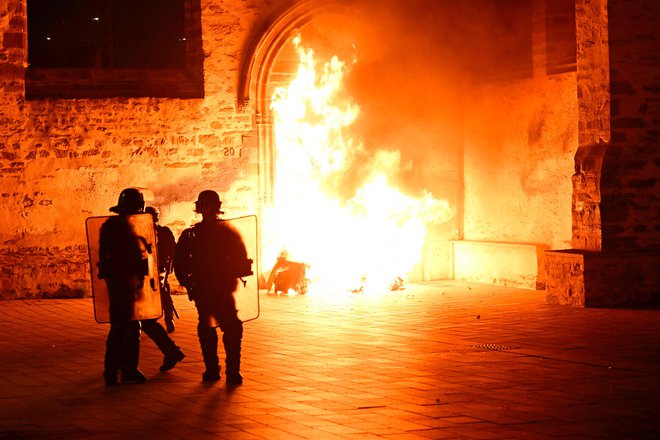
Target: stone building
{"points": [[534, 122]]}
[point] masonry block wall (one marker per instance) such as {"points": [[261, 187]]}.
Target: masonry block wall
{"points": [[630, 182], [62, 161], [615, 186], [616, 233], [593, 121]]}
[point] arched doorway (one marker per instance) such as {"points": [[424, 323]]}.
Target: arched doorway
{"points": [[402, 129], [255, 86]]}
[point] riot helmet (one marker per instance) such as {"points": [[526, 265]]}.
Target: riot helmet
{"points": [[155, 214], [131, 201], [208, 199]]}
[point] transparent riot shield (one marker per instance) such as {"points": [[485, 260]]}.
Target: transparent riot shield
{"points": [[247, 293], [147, 293]]}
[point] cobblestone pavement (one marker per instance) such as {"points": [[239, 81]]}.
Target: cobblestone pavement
{"points": [[434, 361]]}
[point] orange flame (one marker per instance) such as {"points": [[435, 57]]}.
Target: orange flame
{"points": [[365, 242]]}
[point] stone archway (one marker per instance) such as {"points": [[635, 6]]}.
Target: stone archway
{"points": [[253, 92], [254, 79]]}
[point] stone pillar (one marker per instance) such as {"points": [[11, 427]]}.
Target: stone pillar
{"points": [[616, 193], [594, 121], [565, 269]]}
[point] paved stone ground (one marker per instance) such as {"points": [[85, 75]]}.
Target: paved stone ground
{"points": [[434, 361]]}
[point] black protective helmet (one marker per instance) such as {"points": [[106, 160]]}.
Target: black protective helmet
{"points": [[131, 201], [155, 213], [208, 199]]}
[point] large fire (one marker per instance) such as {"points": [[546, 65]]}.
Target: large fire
{"points": [[361, 242]]}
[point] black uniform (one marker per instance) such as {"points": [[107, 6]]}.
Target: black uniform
{"points": [[166, 249], [206, 260], [123, 265], [151, 327]]}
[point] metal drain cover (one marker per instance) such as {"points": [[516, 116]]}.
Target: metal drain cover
{"points": [[495, 347]]}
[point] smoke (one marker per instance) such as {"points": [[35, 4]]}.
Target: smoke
{"points": [[412, 65]]}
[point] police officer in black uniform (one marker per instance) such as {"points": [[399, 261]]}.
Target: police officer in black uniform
{"points": [[210, 258], [123, 265], [166, 247], [151, 327]]}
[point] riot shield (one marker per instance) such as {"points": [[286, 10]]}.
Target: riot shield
{"points": [[247, 293], [147, 303]]}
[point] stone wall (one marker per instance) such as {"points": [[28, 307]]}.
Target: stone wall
{"points": [[616, 195], [601, 278], [520, 139], [593, 121], [631, 168], [41, 272], [62, 161], [616, 191]]}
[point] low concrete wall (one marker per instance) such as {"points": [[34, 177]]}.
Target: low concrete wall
{"points": [[499, 264]]}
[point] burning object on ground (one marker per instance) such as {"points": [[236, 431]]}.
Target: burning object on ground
{"points": [[397, 284], [287, 276]]}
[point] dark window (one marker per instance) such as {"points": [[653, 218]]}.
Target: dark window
{"points": [[561, 43], [104, 48], [510, 40], [497, 42]]}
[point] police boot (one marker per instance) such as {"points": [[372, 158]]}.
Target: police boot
{"points": [[234, 379], [211, 375], [171, 359], [131, 355], [208, 340], [233, 359], [134, 376], [110, 378]]}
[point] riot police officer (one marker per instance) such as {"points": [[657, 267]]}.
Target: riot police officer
{"points": [[123, 265], [166, 247], [151, 327], [210, 258]]}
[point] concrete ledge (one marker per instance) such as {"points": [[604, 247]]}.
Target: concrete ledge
{"points": [[602, 279], [499, 264]]}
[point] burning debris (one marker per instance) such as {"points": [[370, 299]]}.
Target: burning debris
{"points": [[397, 284], [287, 276], [290, 277]]}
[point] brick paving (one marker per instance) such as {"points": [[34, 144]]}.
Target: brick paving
{"points": [[442, 360]]}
